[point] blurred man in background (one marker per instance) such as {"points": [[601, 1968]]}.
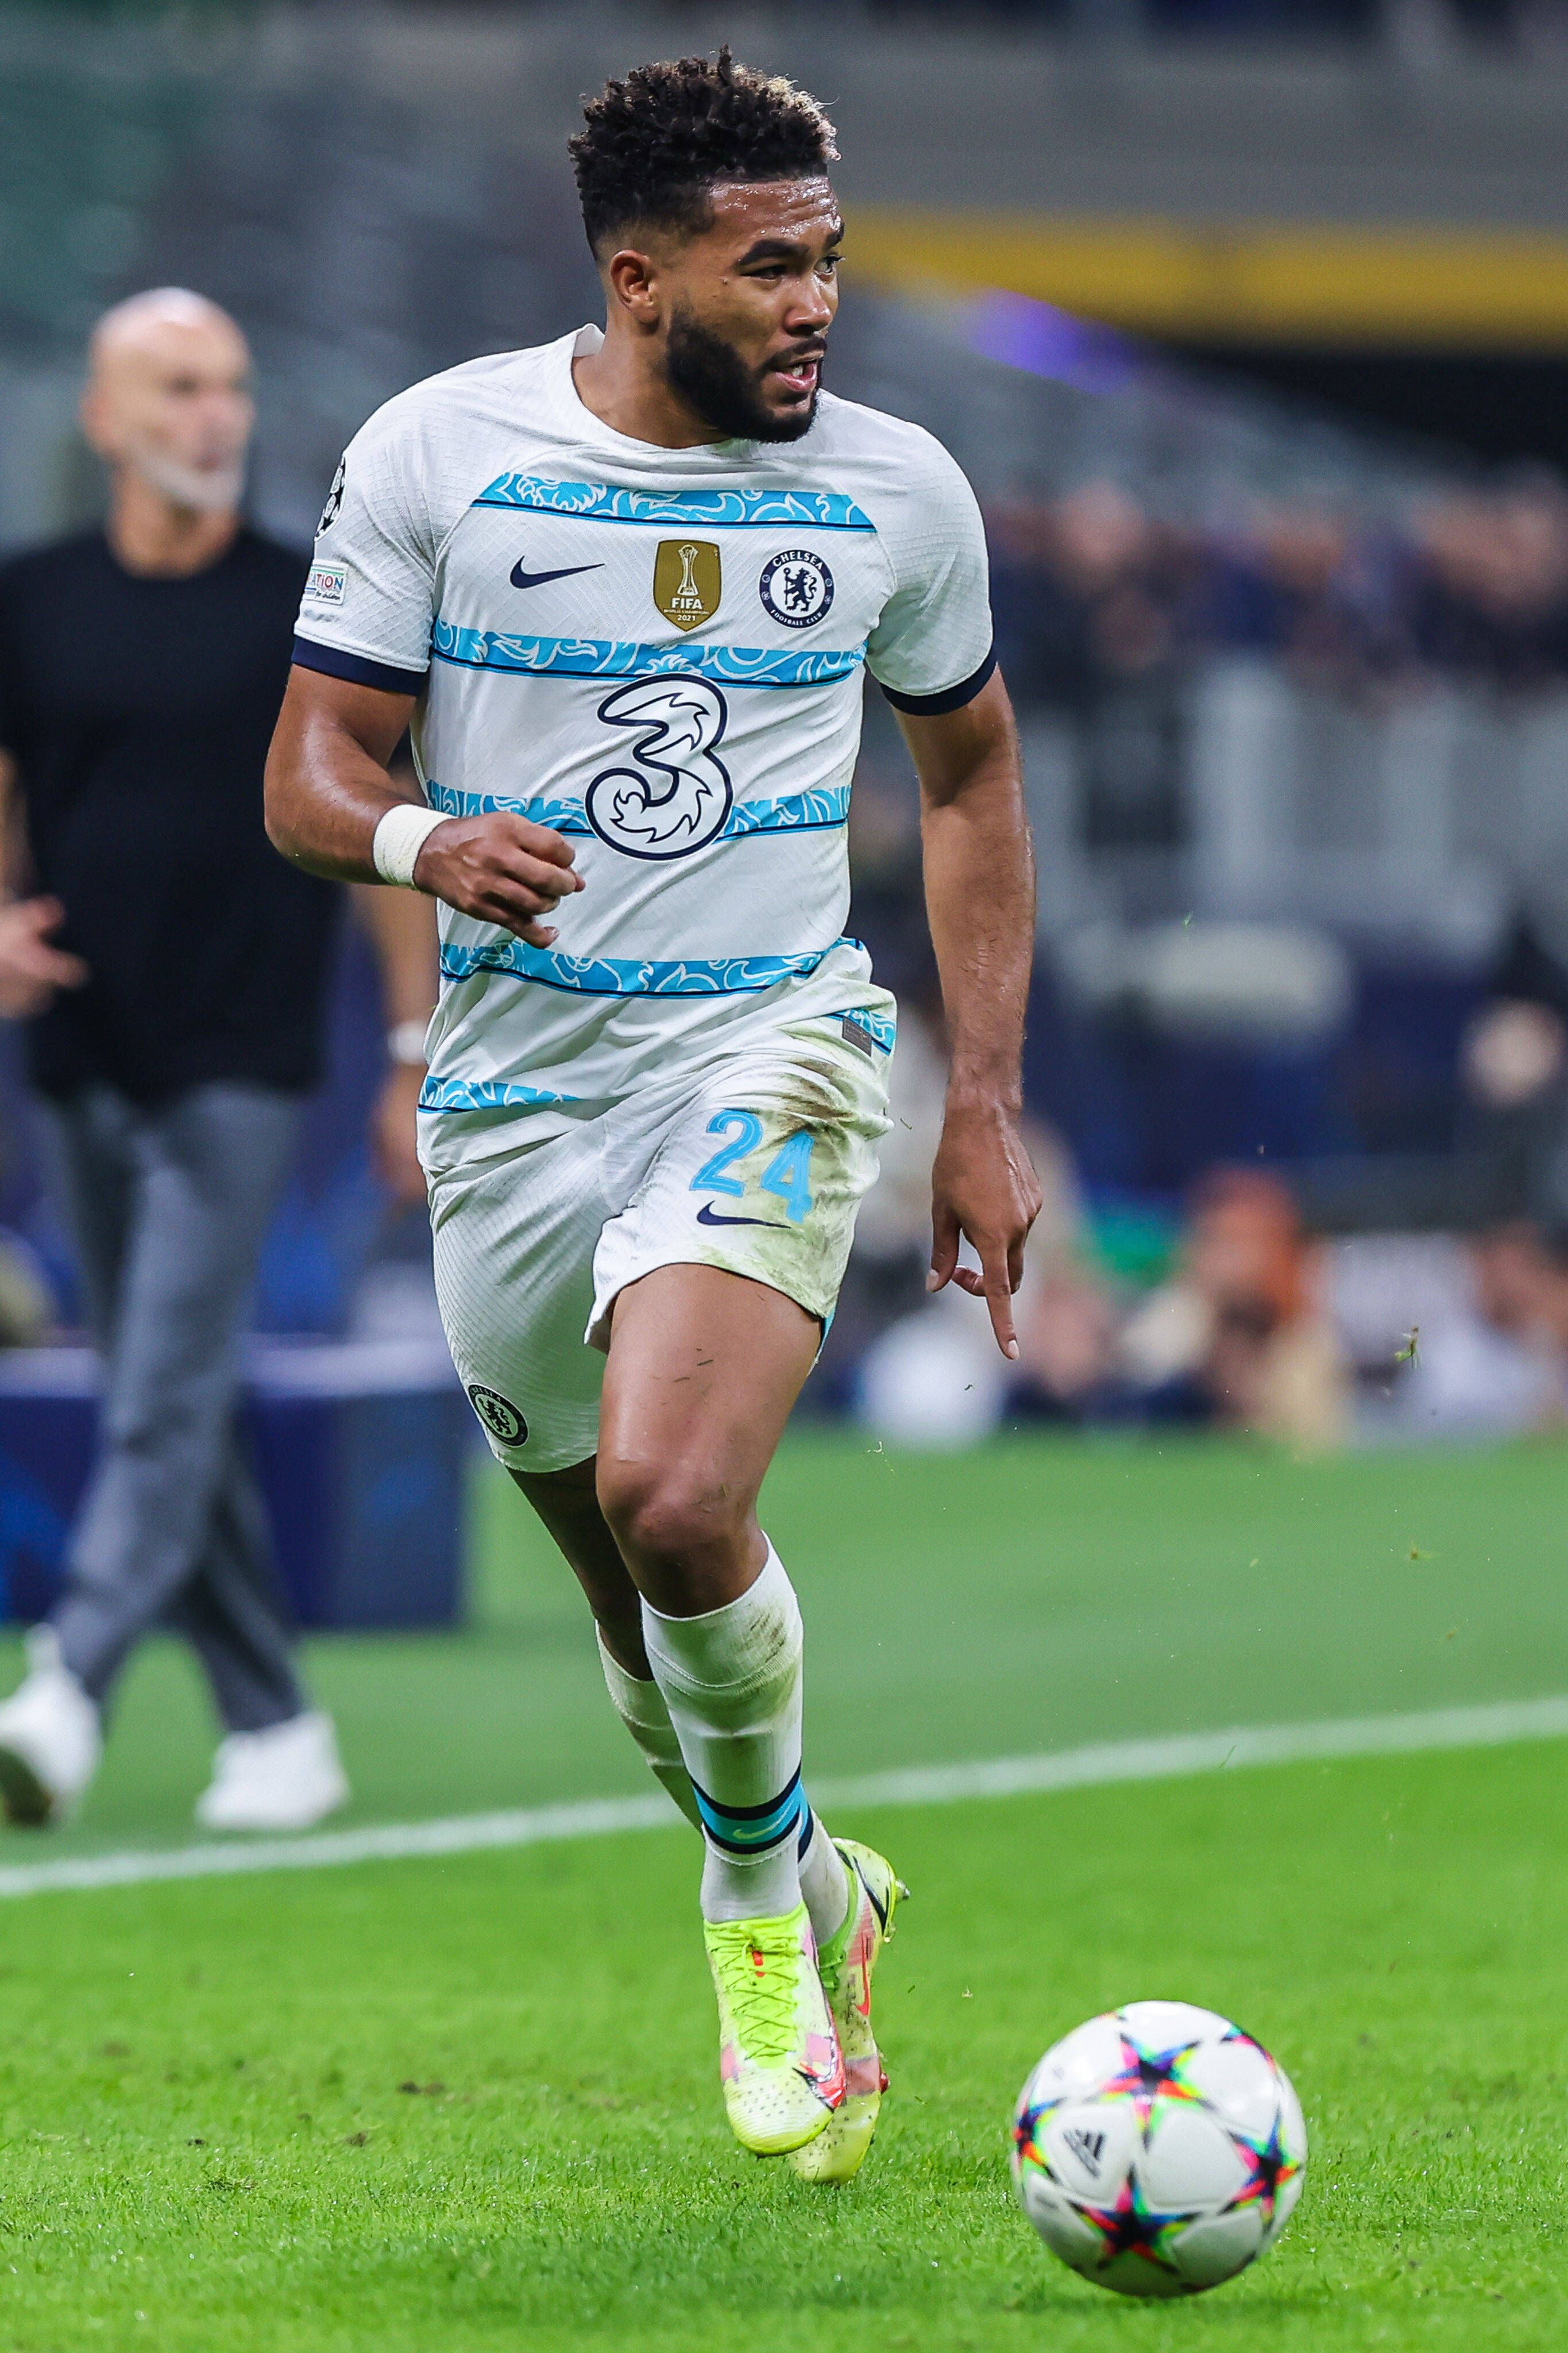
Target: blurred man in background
{"points": [[172, 968]]}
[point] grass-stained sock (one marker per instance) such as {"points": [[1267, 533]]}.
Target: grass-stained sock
{"points": [[732, 1682], [641, 1708], [824, 1881]]}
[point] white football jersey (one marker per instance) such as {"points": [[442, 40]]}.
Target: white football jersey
{"points": [[660, 654]]}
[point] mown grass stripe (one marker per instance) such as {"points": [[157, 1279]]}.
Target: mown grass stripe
{"points": [[1105, 1762]]}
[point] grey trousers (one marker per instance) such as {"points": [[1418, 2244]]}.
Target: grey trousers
{"points": [[168, 1209]]}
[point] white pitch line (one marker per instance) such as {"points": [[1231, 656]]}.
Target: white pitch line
{"points": [[920, 1785]]}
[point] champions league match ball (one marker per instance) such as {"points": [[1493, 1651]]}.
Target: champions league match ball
{"points": [[1158, 2150]]}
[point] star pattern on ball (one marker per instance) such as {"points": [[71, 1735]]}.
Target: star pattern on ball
{"points": [[1270, 2167], [1149, 2078]]}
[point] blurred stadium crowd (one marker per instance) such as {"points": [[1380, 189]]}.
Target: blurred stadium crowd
{"points": [[1092, 592], [1295, 703], [1284, 1068], [1524, 21], [1301, 1095]]}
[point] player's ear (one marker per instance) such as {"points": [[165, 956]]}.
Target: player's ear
{"points": [[631, 279]]}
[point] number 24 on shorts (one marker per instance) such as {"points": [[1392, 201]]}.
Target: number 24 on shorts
{"points": [[787, 1174]]}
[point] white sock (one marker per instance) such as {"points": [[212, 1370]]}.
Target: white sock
{"points": [[824, 1877], [824, 1880], [641, 1708], [732, 1682]]}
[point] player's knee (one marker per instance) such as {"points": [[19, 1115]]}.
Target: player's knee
{"points": [[671, 1516]]}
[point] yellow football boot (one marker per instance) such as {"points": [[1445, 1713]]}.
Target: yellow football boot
{"points": [[778, 2054], [844, 1965]]}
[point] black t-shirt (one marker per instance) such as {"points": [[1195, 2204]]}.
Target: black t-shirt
{"points": [[138, 712]]}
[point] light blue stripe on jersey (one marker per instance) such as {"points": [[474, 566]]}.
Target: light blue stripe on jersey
{"points": [[625, 658], [794, 813], [483, 1094], [632, 976], [828, 805], [720, 510], [562, 815]]}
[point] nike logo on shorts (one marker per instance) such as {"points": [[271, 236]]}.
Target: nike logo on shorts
{"points": [[707, 1216], [521, 579]]}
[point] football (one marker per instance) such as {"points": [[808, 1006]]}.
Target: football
{"points": [[1158, 2150]]}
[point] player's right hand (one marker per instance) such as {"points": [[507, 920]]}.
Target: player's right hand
{"points": [[500, 870], [31, 967]]}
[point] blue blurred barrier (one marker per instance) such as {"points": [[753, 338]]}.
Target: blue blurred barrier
{"points": [[359, 1446]]}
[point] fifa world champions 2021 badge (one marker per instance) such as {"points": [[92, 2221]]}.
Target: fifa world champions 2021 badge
{"points": [[688, 581], [796, 588]]}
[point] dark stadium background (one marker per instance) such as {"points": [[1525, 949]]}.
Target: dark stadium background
{"points": [[1309, 258]]}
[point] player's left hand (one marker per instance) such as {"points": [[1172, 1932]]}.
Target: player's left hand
{"points": [[985, 1191], [393, 1134]]}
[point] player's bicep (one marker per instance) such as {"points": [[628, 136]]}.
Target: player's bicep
{"points": [[321, 711], [951, 748], [326, 771]]}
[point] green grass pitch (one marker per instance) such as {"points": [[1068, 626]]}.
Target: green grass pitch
{"points": [[425, 2108]]}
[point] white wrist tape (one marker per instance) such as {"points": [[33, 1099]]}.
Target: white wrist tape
{"points": [[399, 838]]}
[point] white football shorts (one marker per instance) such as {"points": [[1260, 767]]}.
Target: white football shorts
{"points": [[756, 1162]]}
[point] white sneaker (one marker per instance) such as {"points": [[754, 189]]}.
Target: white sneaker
{"points": [[284, 1779], [50, 1737]]}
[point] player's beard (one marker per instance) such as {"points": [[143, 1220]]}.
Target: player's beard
{"points": [[712, 378]]}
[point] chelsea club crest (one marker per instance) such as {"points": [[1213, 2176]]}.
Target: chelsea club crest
{"points": [[796, 588]]}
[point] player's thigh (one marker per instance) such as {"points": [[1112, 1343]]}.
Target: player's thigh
{"points": [[717, 1281], [514, 1245], [759, 1175], [704, 1366]]}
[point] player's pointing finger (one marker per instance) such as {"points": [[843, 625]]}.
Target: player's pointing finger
{"points": [[999, 1299]]}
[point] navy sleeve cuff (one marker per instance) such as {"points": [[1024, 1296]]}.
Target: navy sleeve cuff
{"points": [[953, 698], [336, 663]]}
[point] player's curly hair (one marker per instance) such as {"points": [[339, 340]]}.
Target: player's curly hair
{"points": [[658, 143]]}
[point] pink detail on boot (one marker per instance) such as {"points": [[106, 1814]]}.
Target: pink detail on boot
{"points": [[863, 2076], [824, 2068]]}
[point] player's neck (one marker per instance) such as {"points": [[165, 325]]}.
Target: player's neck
{"points": [[624, 384], [152, 534]]}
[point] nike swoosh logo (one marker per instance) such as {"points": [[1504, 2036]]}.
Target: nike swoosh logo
{"points": [[521, 579], [708, 1216], [879, 1909]]}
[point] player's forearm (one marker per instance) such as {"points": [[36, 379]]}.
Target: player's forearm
{"points": [[328, 788], [980, 897], [328, 785]]}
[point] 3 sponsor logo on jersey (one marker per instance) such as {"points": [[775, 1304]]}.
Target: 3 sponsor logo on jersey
{"points": [[327, 584], [796, 588], [670, 793], [499, 1416], [688, 581]]}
